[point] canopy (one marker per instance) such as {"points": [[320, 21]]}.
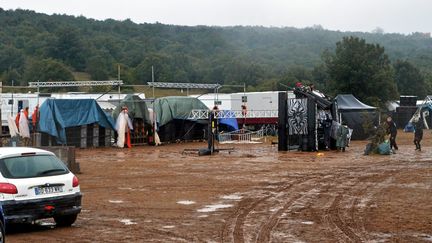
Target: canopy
{"points": [[176, 107], [57, 115], [360, 117], [137, 108], [349, 102]]}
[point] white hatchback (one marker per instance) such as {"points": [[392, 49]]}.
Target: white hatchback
{"points": [[35, 184]]}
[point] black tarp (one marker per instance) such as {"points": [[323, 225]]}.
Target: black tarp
{"points": [[349, 102], [358, 116]]}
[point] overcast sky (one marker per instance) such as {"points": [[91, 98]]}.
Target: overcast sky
{"points": [[393, 16]]}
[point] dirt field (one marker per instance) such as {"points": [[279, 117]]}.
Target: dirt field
{"points": [[255, 194]]}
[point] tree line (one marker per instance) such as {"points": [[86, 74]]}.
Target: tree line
{"points": [[375, 67]]}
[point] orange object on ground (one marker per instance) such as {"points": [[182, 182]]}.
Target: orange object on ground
{"points": [[128, 138]]}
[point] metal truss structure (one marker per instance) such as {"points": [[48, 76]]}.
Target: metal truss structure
{"points": [[204, 114], [183, 85], [75, 83]]}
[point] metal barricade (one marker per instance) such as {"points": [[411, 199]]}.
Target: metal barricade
{"points": [[241, 136]]}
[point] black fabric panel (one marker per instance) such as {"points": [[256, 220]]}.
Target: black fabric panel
{"points": [[362, 123], [311, 136], [282, 122], [182, 130], [403, 115]]}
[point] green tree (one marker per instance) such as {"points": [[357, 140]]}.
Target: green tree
{"points": [[9, 75], [409, 80], [269, 85], [98, 67], [143, 72], [69, 48], [11, 58], [428, 78], [320, 77], [361, 69], [47, 70], [297, 74], [167, 68], [251, 55], [240, 71]]}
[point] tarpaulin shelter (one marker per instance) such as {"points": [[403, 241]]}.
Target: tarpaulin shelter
{"points": [[137, 108], [358, 116], [139, 115], [56, 115], [172, 114]]}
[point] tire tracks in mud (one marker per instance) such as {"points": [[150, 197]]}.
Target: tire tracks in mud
{"points": [[247, 205], [264, 234], [343, 219], [340, 226], [174, 237]]}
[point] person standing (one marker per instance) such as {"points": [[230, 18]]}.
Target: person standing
{"points": [[418, 134], [35, 117], [327, 125], [123, 127], [342, 137], [392, 130], [23, 126]]}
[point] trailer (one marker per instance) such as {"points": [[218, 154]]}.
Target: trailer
{"points": [[253, 110], [12, 103]]}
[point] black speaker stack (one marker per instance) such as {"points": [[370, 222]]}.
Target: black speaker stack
{"points": [[407, 108]]}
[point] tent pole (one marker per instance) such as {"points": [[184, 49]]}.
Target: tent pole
{"points": [[379, 118]]}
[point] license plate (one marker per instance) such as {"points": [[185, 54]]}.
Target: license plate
{"points": [[48, 190]]}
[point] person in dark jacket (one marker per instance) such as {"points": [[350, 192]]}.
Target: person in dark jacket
{"points": [[418, 134], [392, 130], [327, 125]]}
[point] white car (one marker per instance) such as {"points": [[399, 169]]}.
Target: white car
{"points": [[35, 184]]}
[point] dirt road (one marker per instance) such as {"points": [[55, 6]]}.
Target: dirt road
{"points": [[254, 194]]}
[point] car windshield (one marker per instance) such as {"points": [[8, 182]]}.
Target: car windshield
{"points": [[32, 166]]}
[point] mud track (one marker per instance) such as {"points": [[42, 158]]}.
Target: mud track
{"points": [[255, 194]]}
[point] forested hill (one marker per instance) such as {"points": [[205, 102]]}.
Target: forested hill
{"points": [[36, 46]]}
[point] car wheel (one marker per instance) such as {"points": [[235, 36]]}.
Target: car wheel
{"points": [[2, 233], [66, 220]]}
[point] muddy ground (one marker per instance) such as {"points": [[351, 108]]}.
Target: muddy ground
{"points": [[254, 194]]}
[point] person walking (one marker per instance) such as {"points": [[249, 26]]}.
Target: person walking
{"points": [[418, 133], [392, 130]]}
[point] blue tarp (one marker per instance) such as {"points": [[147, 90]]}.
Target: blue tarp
{"points": [[409, 127], [57, 115], [230, 122], [384, 148]]}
